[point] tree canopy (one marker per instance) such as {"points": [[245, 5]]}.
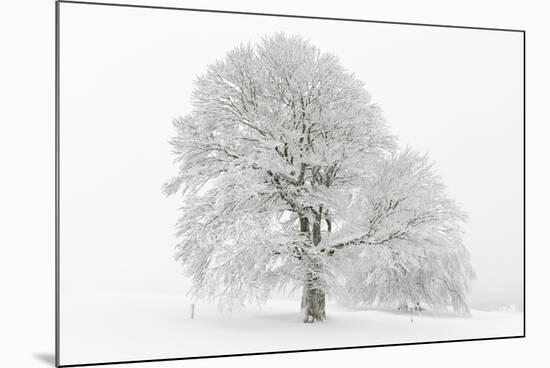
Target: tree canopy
{"points": [[290, 178]]}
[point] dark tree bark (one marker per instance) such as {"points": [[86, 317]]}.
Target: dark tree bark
{"points": [[313, 297], [313, 301]]}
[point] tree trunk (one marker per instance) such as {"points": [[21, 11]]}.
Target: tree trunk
{"points": [[313, 303], [313, 297]]}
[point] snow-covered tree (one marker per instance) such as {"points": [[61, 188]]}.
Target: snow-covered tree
{"points": [[279, 136], [414, 254]]}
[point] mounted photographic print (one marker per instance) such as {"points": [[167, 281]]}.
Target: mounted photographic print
{"points": [[234, 183]]}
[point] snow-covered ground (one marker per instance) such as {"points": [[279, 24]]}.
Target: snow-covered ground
{"points": [[112, 327]]}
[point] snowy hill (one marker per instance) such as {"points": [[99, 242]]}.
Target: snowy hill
{"points": [[111, 327]]}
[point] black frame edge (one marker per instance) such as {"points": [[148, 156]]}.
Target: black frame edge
{"points": [[288, 351], [524, 181], [57, 156], [202, 10]]}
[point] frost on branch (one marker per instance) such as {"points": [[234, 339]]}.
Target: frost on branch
{"points": [[278, 138], [407, 248]]}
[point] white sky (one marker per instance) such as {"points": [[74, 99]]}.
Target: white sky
{"points": [[126, 73]]}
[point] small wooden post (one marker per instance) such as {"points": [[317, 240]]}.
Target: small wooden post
{"points": [[192, 310]]}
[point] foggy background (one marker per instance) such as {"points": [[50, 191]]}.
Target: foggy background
{"points": [[126, 73]]}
